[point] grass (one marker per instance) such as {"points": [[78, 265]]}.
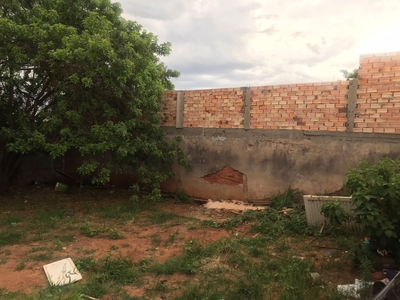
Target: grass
{"points": [[181, 197], [21, 265], [161, 217], [257, 256], [155, 240], [11, 237], [89, 230], [171, 238], [41, 257]]}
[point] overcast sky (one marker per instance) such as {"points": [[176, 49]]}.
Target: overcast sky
{"points": [[235, 43]]}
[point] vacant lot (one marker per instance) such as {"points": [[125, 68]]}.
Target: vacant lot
{"points": [[167, 250]]}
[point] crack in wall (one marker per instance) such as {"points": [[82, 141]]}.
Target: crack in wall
{"points": [[225, 176]]}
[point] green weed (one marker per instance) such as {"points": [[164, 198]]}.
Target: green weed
{"points": [[11, 237], [171, 238], [286, 199], [117, 269], [41, 257], [86, 264], [181, 197], [155, 240], [115, 234], [21, 265], [161, 217], [88, 230]]}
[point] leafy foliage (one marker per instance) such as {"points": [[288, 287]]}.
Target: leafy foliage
{"points": [[77, 76], [376, 194], [181, 197], [349, 75], [334, 212]]}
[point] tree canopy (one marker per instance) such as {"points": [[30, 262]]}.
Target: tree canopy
{"points": [[76, 75]]}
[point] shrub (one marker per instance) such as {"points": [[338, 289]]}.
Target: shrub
{"points": [[334, 212], [376, 196]]}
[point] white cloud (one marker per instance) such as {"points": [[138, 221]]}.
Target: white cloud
{"points": [[230, 43]]}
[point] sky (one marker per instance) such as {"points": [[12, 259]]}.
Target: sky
{"points": [[237, 43]]}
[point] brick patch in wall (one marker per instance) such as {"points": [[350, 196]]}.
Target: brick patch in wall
{"points": [[227, 176]]}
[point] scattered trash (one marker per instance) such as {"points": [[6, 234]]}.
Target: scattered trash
{"points": [[391, 291], [352, 290], [390, 274], [60, 187], [298, 257], [87, 297], [379, 285], [381, 263], [315, 276], [285, 210], [378, 276], [62, 272]]}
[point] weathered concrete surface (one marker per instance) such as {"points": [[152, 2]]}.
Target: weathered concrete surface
{"points": [[270, 161]]}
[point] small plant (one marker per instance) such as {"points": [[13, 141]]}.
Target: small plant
{"points": [[115, 234], [88, 230], [209, 224], [58, 245], [155, 240], [171, 238], [86, 264], [21, 265], [161, 217], [42, 257], [348, 75], [376, 194], [334, 212], [286, 199], [11, 237], [181, 197], [117, 269]]}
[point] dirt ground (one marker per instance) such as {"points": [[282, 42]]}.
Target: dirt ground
{"points": [[138, 241]]}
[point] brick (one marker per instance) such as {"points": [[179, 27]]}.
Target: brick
{"points": [[367, 130]]}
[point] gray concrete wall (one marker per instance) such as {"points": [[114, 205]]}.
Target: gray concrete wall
{"points": [[259, 163]]}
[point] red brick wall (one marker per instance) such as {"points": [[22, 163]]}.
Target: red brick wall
{"points": [[169, 108], [378, 108], [309, 106], [217, 108]]}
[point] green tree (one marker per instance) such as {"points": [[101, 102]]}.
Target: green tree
{"points": [[349, 75], [76, 75]]}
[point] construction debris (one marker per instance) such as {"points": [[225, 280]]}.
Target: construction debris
{"points": [[231, 205], [62, 272]]}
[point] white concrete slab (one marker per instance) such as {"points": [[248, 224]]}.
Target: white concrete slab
{"points": [[62, 272]]}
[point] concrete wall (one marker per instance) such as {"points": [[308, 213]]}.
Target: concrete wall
{"points": [[258, 163], [252, 142]]}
